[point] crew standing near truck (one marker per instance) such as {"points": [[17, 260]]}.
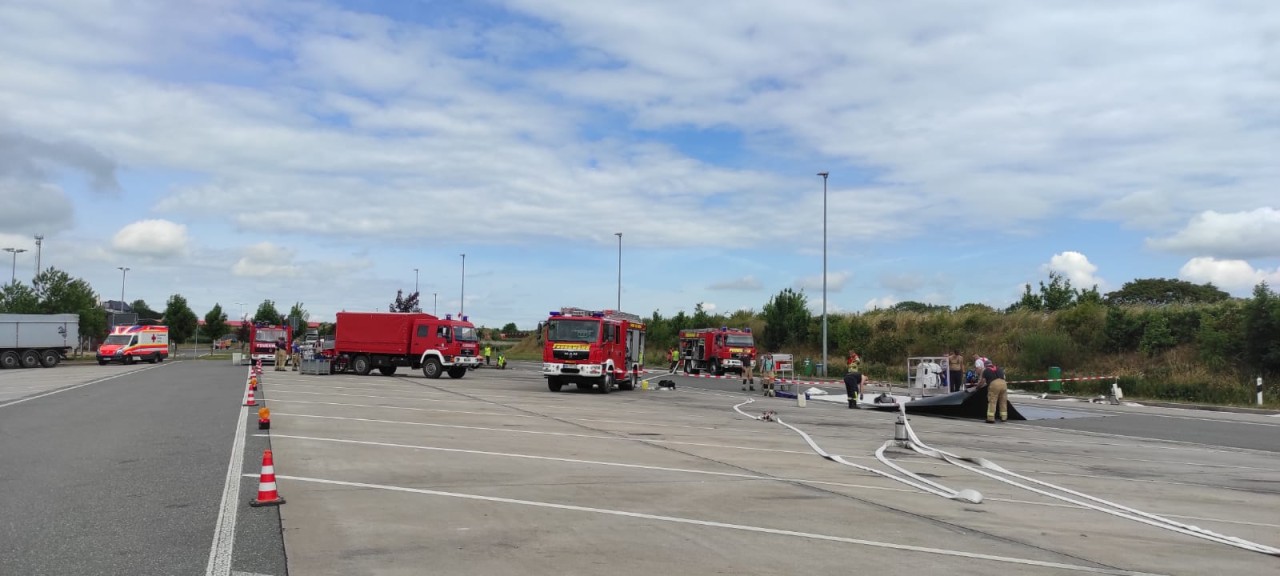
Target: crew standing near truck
{"points": [[487, 352], [282, 350], [748, 379]]}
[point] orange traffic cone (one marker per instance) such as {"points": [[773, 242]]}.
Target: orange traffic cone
{"points": [[253, 382], [267, 494], [249, 400]]}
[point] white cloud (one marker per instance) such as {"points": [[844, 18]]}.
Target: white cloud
{"points": [[813, 284], [266, 259], [882, 302], [709, 307], [905, 283], [156, 238], [744, 283], [1252, 234], [1077, 268], [1235, 276]]}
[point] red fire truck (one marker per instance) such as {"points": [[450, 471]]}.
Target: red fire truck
{"points": [[364, 341], [716, 351], [592, 348], [263, 338]]}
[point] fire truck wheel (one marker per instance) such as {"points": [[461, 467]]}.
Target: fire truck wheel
{"points": [[50, 358], [432, 368], [457, 372], [553, 384], [387, 370], [629, 383], [606, 383], [361, 365]]}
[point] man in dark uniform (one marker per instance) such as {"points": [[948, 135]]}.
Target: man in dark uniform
{"points": [[997, 389], [853, 386]]}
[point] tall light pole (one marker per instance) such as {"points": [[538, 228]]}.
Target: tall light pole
{"points": [[415, 280], [462, 303], [124, 272], [13, 274], [824, 272], [619, 235], [435, 298], [39, 241]]}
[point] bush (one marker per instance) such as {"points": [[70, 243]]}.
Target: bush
{"points": [[1039, 351]]}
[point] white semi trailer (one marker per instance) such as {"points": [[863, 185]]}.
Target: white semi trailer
{"points": [[31, 340]]}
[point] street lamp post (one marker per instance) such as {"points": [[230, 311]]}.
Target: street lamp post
{"points": [[462, 300], [435, 298], [619, 235], [13, 274], [824, 272], [124, 272], [39, 241]]}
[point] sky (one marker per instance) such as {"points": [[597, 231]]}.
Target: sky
{"points": [[332, 153]]}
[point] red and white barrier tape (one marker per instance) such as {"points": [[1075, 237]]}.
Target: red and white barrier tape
{"points": [[1064, 379]]}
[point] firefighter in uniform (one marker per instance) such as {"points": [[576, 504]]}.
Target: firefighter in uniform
{"points": [[748, 379], [282, 351], [766, 380], [997, 389]]}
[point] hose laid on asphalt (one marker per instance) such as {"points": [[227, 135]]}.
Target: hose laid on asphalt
{"points": [[992, 470], [922, 484]]}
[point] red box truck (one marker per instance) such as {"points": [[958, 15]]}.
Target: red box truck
{"points": [[365, 341]]}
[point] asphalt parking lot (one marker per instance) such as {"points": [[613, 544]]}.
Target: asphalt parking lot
{"points": [[494, 474]]}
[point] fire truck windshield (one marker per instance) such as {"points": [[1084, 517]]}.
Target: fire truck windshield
{"points": [[739, 340], [268, 334], [573, 330], [464, 334]]}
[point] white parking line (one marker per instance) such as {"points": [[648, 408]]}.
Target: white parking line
{"points": [[91, 382], [224, 531], [500, 414], [589, 462], [726, 525], [543, 433]]}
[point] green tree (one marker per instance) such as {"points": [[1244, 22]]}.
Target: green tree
{"points": [[1156, 337], [404, 303], [1056, 295], [1121, 330], [145, 312], [786, 318], [510, 328], [1161, 291], [267, 313], [215, 323], [298, 318], [913, 306], [1262, 331], [62, 294], [701, 319], [180, 319], [18, 298]]}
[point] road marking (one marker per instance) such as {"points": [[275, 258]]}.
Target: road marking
{"points": [[726, 525], [580, 461], [224, 532], [98, 381], [500, 414], [543, 433]]}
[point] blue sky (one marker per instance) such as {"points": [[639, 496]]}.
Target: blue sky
{"points": [[318, 152]]}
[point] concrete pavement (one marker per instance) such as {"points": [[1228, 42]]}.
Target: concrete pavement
{"points": [[121, 471], [494, 474]]}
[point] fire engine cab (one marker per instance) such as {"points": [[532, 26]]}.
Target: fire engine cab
{"points": [[716, 351], [600, 348]]}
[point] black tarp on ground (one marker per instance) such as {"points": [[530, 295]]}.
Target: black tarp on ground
{"points": [[958, 405]]}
